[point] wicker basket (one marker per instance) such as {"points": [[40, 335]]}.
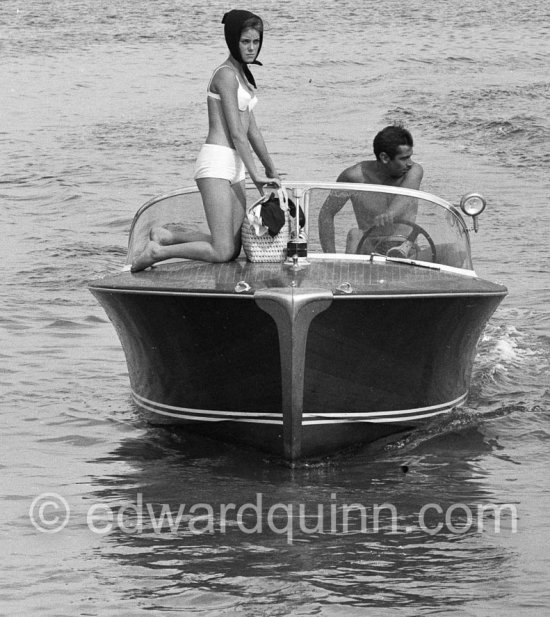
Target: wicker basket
{"points": [[266, 248]]}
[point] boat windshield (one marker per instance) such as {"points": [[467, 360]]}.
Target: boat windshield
{"points": [[343, 219], [179, 210], [340, 219]]}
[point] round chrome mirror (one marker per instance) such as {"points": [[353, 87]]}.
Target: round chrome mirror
{"points": [[473, 204]]}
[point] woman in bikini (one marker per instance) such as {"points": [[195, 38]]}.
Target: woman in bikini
{"points": [[220, 167]]}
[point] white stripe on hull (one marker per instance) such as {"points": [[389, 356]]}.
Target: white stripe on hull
{"points": [[210, 415]]}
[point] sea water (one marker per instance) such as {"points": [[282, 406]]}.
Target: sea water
{"points": [[103, 107]]}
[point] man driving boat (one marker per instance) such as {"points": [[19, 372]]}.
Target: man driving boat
{"points": [[393, 149]]}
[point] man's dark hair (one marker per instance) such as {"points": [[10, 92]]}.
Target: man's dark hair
{"points": [[389, 139]]}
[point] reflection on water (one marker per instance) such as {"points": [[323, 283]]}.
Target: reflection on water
{"points": [[307, 546]]}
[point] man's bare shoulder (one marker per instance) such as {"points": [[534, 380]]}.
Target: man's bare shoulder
{"points": [[413, 177], [353, 173]]}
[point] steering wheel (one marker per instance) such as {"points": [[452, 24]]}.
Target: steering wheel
{"points": [[416, 231]]}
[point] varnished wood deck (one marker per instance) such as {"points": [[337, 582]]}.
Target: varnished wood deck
{"points": [[364, 278]]}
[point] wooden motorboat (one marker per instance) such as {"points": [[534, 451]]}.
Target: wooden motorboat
{"points": [[307, 356]]}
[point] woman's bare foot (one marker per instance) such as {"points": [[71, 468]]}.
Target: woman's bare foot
{"points": [[161, 235], [148, 257]]}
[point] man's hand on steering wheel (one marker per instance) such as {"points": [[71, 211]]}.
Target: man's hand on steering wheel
{"points": [[416, 231], [383, 219]]}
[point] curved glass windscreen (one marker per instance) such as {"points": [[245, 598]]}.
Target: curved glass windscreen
{"points": [[353, 221], [339, 219], [181, 210]]}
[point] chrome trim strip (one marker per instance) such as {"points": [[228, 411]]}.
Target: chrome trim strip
{"points": [[234, 296], [147, 401], [172, 292], [207, 415]]}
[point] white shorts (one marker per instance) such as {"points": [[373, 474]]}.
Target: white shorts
{"points": [[216, 161]]}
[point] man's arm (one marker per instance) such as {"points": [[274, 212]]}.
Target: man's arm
{"points": [[333, 204], [402, 206]]}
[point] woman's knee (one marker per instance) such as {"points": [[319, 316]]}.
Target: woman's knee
{"points": [[224, 252], [236, 251]]}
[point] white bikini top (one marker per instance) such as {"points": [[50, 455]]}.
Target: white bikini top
{"points": [[245, 100]]}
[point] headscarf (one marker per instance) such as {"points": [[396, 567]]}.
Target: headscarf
{"points": [[233, 22]]}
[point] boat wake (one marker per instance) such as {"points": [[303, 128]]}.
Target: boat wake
{"points": [[511, 367]]}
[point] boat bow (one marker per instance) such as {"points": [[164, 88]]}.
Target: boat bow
{"points": [[293, 309]]}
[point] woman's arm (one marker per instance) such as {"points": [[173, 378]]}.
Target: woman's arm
{"points": [[257, 142], [227, 86]]}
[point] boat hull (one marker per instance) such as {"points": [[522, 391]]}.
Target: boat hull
{"points": [[293, 368]]}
